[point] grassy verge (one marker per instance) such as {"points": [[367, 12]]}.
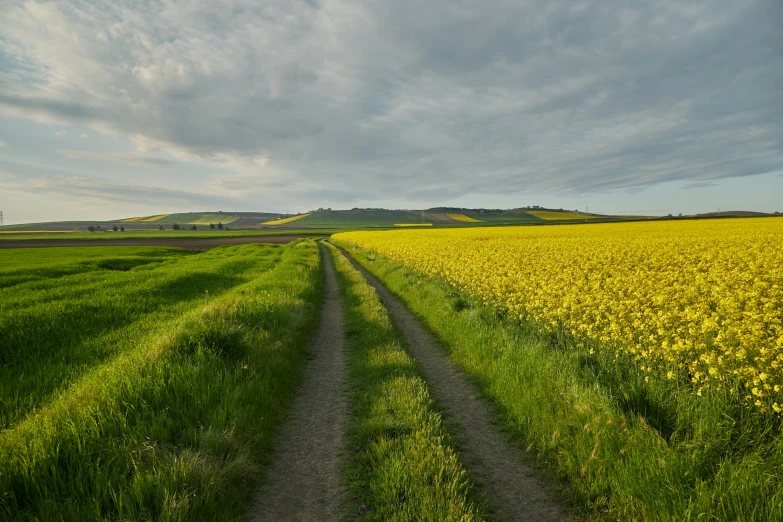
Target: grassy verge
{"points": [[404, 466], [175, 425], [632, 450]]}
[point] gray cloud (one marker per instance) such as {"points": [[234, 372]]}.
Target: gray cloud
{"points": [[435, 100], [124, 159], [87, 189]]}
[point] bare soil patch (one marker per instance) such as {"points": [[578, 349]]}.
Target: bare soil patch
{"points": [[305, 480], [514, 489], [189, 244]]}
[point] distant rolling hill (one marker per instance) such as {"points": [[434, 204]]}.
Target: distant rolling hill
{"points": [[440, 216], [349, 219], [153, 222], [354, 218], [238, 219], [323, 219], [732, 213]]}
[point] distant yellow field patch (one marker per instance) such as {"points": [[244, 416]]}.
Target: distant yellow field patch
{"points": [[550, 215], [464, 218], [285, 220], [154, 218], [133, 220], [413, 224]]}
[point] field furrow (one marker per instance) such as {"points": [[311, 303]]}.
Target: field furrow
{"points": [[174, 424]]}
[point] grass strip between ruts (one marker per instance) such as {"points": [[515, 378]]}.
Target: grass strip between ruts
{"points": [[403, 465]]}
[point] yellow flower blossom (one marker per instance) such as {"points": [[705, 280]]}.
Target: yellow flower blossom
{"points": [[702, 297]]}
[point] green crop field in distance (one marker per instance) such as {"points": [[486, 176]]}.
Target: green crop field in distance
{"points": [[192, 218], [146, 383], [201, 233], [358, 218]]}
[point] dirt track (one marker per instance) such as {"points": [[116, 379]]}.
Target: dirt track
{"points": [[305, 480], [513, 488], [189, 244]]}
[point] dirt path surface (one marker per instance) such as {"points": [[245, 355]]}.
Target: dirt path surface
{"points": [[513, 489], [305, 480], [189, 244]]}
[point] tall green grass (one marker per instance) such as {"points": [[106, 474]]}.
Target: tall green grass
{"points": [[631, 449], [184, 366], [61, 312], [404, 466]]}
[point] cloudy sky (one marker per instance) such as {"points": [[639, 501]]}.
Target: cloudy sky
{"points": [[119, 108]]}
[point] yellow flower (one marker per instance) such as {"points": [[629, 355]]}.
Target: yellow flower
{"points": [[701, 296]]}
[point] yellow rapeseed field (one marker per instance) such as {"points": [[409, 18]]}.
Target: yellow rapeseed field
{"points": [[152, 219], [464, 218], [284, 220], [550, 215], [697, 300]]}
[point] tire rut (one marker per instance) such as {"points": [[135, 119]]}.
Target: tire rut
{"points": [[514, 490], [305, 481]]}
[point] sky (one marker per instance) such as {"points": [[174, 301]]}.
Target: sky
{"points": [[115, 108]]}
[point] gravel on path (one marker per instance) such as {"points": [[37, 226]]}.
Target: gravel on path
{"points": [[305, 479], [513, 488]]}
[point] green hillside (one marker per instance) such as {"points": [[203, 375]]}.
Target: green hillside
{"points": [[358, 218], [206, 218], [244, 219]]}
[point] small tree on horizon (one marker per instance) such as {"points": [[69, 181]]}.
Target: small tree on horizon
{"points": [[122, 228], [220, 226], [91, 228], [114, 228], [194, 227], [212, 226]]}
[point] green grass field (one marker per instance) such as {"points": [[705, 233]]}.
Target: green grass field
{"points": [[146, 383], [201, 233], [630, 449]]}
